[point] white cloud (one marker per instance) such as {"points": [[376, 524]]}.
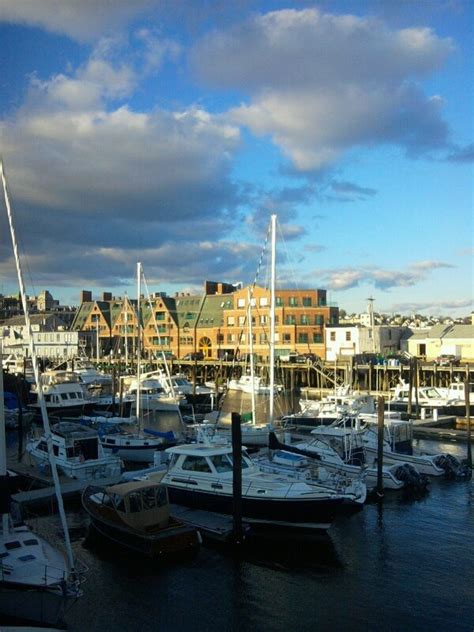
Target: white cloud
{"points": [[320, 84], [79, 19]]}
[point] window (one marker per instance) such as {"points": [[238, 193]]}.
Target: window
{"points": [[263, 301], [293, 301], [303, 337], [318, 338], [262, 338], [286, 337], [241, 302], [306, 301], [319, 319], [222, 463], [160, 315], [242, 320], [230, 337], [304, 319], [263, 319], [290, 319], [196, 464], [135, 502], [230, 321], [348, 335], [332, 336], [279, 301]]}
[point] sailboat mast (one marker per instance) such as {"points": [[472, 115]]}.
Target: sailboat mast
{"points": [[139, 337], [272, 320], [34, 359]]}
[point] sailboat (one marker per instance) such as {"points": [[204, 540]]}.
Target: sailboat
{"points": [[36, 581], [138, 446]]}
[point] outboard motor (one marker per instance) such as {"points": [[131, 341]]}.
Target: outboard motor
{"points": [[414, 480], [453, 467]]}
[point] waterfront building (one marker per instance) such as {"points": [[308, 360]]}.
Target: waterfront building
{"points": [[451, 339], [213, 324], [345, 341]]}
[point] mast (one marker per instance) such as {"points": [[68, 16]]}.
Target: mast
{"points": [[272, 321], [126, 330], [34, 360], [252, 368], [139, 346]]}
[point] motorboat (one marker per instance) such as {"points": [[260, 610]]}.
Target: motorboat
{"points": [[332, 407], [341, 449], [63, 393], [201, 475], [398, 448], [136, 515], [302, 468], [77, 450], [249, 384], [430, 399], [153, 397]]}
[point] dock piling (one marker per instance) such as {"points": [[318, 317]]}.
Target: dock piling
{"points": [[380, 437], [468, 420], [237, 477]]}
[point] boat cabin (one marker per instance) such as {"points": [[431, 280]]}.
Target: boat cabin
{"points": [[204, 458], [73, 441], [139, 504]]}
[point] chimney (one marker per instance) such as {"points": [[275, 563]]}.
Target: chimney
{"points": [[85, 296], [106, 296]]}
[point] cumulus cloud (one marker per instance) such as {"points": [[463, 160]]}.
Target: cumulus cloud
{"points": [[383, 279], [320, 84], [82, 20]]}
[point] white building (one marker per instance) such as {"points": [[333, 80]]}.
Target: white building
{"points": [[51, 337], [344, 341]]}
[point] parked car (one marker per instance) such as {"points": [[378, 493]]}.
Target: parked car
{"points": [[446, 359], [195, 355]]}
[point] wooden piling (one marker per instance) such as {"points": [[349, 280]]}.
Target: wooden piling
{"points": [[237, 477], [380, 438], [468, 421]]}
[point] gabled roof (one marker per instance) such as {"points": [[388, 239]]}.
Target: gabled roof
{"points": [[35, 319], [451, 331], [212, 311], [188, 309]]}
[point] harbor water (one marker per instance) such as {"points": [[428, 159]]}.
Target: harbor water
{"points": [[402, 564]]}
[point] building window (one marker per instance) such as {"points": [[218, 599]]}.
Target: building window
{"points": [[263, 301], [160, 315], [318, 338], [319, 319], [230, 337], [220, 338], [304, 319], [293, 301], [286, 337], [332, 336], [242, 320], [306, 301], [348, 335], [290, 319], [241, 302], [279, 301], [302, 337], [263, 319], [230, 321], [262, 339]]}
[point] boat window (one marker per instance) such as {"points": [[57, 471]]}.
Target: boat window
{"points": [[161, 496], [64, 396], [72, 395], [12, 545], [196, 464], [221, 462], [42, 446], [3, 555], [109, 440], [27, 558], [135, 503], [55, 450], [119, 503], [149, 498], [47, 398]]}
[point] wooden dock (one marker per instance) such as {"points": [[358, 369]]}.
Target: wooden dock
{"points": [[69, 489], [212, 525]]}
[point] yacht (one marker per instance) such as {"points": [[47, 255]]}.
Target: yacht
{"points": [[201, 475], [77, 450], [249, 384], [430, 399], [63, 393], [136, 515], [331, 408]]}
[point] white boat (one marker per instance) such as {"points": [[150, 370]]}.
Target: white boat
{"points": [[249, 384], [201, 476], [78, 452], [430, 399], [302, 468], [332, 407], [457, 391], [63, 393], [398, 448], [153, 397]]}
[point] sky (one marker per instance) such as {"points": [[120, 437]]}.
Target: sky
{"points": [[169, 131]]}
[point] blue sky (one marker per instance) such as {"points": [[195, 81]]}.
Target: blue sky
{"points": [[169, 131]]}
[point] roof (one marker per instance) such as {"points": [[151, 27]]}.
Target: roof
{"points": [[122, 489], [35, 319], [200, 449], [445, 332], [212, 311]]}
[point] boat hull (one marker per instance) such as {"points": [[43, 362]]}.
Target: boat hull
{"points": [[303, 514], [32, 604]]}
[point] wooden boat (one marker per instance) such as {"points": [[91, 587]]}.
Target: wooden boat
{"points": [[136, 515]]}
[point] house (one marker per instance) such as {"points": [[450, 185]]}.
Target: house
{"points": [[344, 341], [452, 339]]}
